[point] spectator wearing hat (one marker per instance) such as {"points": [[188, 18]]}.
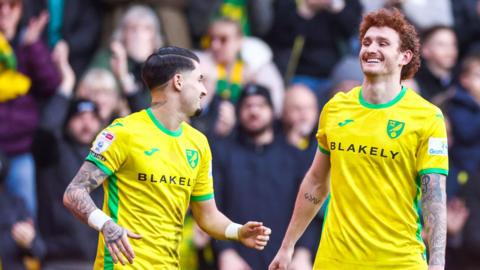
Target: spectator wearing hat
{"points": [[67, 130], [18, 235], [258, 173]]}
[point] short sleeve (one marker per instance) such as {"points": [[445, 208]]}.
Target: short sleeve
{"points": [[109, 150], [203, 189], [432, 153], [321, 132]]}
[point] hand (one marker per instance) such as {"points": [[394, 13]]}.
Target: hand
{"points": [[116, 240], [119, 62], [23, 233], [35, 28], [282, 260], [60, 58], [226, 119], [301, 260], [254, 235], [457, 215], [230, 260]]}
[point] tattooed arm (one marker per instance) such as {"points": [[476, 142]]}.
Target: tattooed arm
{"points": [[313, 191], [77, 199], [435, 217]]}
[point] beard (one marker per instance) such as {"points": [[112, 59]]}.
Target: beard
{"points": [[258, 131], [197, 113]]}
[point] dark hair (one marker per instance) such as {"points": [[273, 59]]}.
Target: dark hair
{"points": [[163, 64], [468, 62], [429, 32], [394, 19]]}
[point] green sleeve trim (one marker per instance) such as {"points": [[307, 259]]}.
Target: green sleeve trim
{"points": [[433, 170], [323, 150], [99, 164], [202, 197]]}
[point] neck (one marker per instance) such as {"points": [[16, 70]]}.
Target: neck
{"points": [[380, 91], [263, 138], [166, 110], [439, 72]]}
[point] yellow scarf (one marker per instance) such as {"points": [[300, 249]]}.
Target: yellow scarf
{"points": [[12, 82]]}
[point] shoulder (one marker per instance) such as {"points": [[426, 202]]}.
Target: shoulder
{"points": [[123, 127], [342, 98], [195, 135], [423, 107]]}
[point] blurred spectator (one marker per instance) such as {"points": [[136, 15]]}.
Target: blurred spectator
{"points": [[99, 86], [252, 171], [68, 129], [457, 212], [18, 235], [78, 22], [467, 25], [439, 53], [255, 16], [236, 60], [300, 118], [309, 37], [136, 37], [66, 132], [346, 74], [19, 114], [464, 113]]}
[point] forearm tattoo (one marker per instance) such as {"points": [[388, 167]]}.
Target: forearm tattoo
{"points": [[435, 216], [311, 198], [112, 232], [77, 195]]}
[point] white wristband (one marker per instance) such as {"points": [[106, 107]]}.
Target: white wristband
{"points": [[231, 232], [97, 219]]}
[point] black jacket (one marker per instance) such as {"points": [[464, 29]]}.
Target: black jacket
{"points": [[323, 35], [58, 158], [260, 183], [464, 114]]}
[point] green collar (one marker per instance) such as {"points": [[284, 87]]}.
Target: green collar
{"points": [[162, 127], [383, 105]]}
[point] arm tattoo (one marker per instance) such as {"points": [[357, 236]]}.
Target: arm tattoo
{"points": [[311, 198], [77, 195], [156, 104], [112, 232], [435, 216]]}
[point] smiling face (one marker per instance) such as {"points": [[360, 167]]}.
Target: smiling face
{"points": [[192, 90], [380, 54]]}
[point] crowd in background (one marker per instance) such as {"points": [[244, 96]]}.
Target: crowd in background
{"points": [[69, 67]]}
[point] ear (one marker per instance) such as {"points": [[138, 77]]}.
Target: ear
{"points": [[177, 82], [406, 57]]}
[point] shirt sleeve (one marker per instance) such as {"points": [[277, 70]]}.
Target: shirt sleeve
{"points": [[109, 150], [432, 152], [203, 189], [321, 133]]}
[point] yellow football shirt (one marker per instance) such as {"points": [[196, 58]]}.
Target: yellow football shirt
{"points": [[153, 174], [378, 153]]}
